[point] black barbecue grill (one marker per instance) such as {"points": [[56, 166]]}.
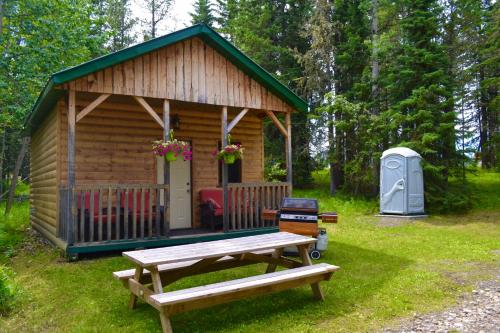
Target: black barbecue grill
{"points": [[299, 210], [300, 216]]}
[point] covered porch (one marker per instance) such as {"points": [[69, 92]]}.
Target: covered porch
{"points": [[141, 207]]}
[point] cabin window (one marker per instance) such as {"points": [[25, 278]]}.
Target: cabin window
{"points": [[233, 170]]}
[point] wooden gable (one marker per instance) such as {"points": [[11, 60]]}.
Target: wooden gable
{"points": [[190, 71]]}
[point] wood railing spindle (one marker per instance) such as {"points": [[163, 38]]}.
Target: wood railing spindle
{"points": [[134, 213], [109, 213], [142, 212], [126, 213], [118, 214], [150, 213], [99, 222]]}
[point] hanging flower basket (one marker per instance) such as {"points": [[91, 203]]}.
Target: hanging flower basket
{"points": [[171, 156], [230, 153], [229, 159], [171, 149]]}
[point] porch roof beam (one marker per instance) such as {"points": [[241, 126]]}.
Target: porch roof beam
{"points": [[236, 119], [142, 102], [89, 108], [277, 122]]}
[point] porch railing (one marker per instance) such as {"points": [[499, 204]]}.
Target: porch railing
{"points": [[247, 200], [115, 212]]}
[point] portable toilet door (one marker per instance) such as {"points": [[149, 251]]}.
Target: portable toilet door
{"points": [[401, 182]]}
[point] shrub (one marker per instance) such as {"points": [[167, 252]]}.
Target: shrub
{"points": [[8, 290], [274, 172], [456, 197]]}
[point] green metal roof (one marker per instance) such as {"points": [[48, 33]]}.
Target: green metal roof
{"points": [[49, 96]]}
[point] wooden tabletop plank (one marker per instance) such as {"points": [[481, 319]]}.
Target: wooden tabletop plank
{"points": [[165, 255]]}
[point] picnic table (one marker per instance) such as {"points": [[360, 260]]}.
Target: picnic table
{"points": [[157, 268]]}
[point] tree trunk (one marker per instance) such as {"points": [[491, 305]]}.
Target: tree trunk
{"points": [[153, 22], [339, 154], [17, 167], [493, 127], [483, 124], [331, 143], [375, 62], [2, 154]]}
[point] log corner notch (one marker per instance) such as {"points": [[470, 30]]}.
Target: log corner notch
{"points": [[286, 130]]}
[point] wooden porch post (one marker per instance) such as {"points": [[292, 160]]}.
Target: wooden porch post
{"points": [[71, 164], [288, 147], [225, 217], [166, 166]]}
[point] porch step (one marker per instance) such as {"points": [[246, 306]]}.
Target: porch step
{"points": [[129, 273]]}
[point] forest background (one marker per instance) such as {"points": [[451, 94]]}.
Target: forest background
{"points": [[377, 74]]}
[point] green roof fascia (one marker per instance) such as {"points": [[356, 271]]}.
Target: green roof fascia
{"points": [[46, 101]]}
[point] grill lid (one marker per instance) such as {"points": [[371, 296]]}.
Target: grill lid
{"points": [[300, 203]]}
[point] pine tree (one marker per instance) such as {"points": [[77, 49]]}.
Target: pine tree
{"points": [[270, 33], [335, 64], [318, 62], [121, 24], [489, 86], [203, 13], [420, 95], [157, 11]]}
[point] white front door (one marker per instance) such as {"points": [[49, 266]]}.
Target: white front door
{"points": [[180, 192]]}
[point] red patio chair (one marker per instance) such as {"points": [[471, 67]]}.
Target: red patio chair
{"points": [[95, 213], [137, 212], [212, 206]]}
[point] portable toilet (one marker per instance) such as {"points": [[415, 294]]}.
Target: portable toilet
{"points": [[401, 182]]}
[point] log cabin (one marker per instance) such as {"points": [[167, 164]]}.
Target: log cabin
{"points": [[95, 183]]}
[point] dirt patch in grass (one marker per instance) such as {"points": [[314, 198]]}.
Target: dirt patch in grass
{"points": [[475, 311], [473, 272]]}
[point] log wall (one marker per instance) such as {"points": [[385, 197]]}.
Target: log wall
{"points": [[113, 143], [188, 71], [43, 175]]}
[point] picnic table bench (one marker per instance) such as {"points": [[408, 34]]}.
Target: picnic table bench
{"points": [[157, 268]]}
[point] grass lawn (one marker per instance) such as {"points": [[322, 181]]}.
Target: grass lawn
{"points": [[387, 273]]}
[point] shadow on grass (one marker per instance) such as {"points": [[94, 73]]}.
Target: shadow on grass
{"points": [[362, 273]]}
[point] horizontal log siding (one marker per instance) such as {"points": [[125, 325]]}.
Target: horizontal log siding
{"points": [[43, 175], [113, 145], [188, 71]]}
